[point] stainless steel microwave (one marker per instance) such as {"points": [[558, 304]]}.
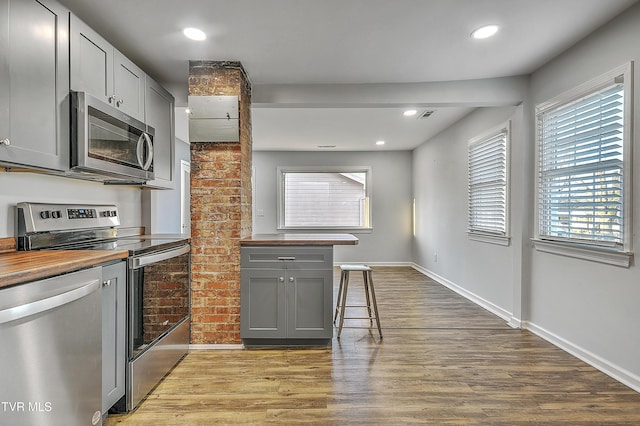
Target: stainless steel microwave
{"points": [[107, 142]]}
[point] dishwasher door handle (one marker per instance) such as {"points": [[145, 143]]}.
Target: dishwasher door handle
{"points": [[33, 308]]}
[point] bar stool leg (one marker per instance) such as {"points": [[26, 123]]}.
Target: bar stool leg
{"points": [[375, 303], [335, 315], [344, 301], [365, 279]]}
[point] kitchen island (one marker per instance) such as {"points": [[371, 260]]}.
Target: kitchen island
{"points": [[286, 288]]}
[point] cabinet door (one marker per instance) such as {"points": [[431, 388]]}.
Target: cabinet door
{"points": [[34, 84], [91, 62], [5, 88], [128, 86], [114, 339], [262, 307], [309, 297], [159, 114]]}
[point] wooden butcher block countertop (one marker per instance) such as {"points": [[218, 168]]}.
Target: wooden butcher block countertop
{"points": [[299, 240], [24, 266]]}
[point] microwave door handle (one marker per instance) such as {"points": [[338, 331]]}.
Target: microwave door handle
{"points": [[144, 139], [140, 150], [147, 140]]}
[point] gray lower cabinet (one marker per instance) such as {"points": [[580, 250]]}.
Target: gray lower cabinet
{"points": [[114, 338], [286, 295], [34, 84]]}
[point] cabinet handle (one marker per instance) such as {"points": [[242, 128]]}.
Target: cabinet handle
{"points": [[106, 283], [119, 102], [281, 279], [291, 279], [112, 98], [286, 258], [5, 142]]}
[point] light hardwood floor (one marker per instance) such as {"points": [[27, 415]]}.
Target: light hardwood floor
{"points": [[443, 360]]}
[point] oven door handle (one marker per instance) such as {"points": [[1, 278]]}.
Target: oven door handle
{"points": [[142, 261]]}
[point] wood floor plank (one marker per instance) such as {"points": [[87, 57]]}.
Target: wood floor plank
{"points": [[443, 360]]}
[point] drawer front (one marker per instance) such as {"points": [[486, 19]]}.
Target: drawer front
{"points": [[297, 257]]}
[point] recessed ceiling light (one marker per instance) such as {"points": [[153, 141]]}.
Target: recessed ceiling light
{"points": [[485, 32], [194, 34], [410, 112], [380, 143]]}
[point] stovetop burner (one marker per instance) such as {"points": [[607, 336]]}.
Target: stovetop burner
{"points": [[135, 246]]}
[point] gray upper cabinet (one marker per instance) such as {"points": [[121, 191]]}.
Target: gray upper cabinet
{"points": [[102, 71], [128, 86], [159, 114], [34, 86]]}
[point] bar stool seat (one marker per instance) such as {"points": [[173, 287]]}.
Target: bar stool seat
{"points": [[369, 291]]}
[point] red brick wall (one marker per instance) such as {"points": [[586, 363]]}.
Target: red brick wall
{"points": [[165, 294], [220, 209]]}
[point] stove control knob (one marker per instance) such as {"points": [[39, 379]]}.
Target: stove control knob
{"points": [[56, 214], [44, 214]]}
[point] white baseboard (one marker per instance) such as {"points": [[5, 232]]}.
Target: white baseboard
{"points": [[198, 347], [617, 373], [491, 307], [396, 264], [620, 374]]}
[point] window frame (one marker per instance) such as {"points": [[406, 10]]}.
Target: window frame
{"points": [[282, 170], [582, 249], [478, 233]]}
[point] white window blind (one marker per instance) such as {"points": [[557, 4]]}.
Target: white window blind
{"points": [[581, 168], [321, 199], [488, 184]]}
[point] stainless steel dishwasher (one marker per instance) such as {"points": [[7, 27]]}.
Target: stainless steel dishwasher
{"points": [[50, 351]]}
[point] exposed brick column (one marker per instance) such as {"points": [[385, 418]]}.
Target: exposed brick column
{"points": [[220, 209]]}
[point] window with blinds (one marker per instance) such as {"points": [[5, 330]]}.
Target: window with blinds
{"points": [[581, 167], [488, 183], [324, 199]]}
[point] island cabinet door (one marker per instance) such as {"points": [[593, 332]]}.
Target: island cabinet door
{"points": [[262, 310], [309, 303]]}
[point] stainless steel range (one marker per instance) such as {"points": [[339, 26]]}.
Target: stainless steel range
{"points": [[158, 276]]}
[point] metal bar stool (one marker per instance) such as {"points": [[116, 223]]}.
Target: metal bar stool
{"points": [[370, 296]]}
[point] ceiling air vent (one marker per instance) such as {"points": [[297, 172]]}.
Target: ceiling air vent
{"points": [[426, 114]]}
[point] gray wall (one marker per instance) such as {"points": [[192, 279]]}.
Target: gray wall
{"points": [[587, 308], [164, 205], [441, 245], [390, 240], [135, 205], [592, 308], [34, 187]]}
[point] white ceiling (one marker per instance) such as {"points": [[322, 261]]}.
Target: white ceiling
{"points": [[345, 42], [348, 129]]}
